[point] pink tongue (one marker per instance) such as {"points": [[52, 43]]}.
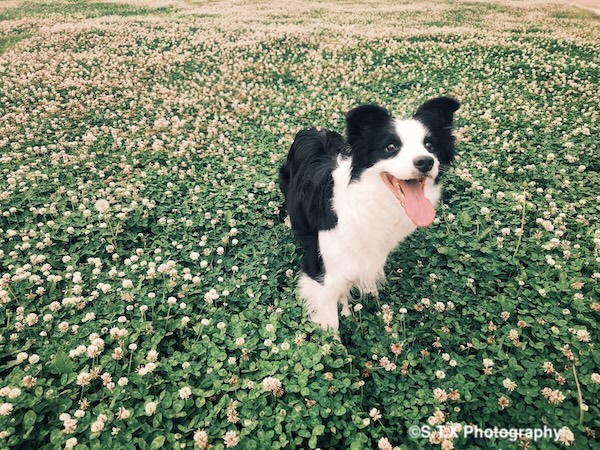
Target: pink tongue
{"points": [[417, 206]]}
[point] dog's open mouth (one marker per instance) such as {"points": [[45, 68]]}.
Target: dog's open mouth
{"points": [[411, 195]]}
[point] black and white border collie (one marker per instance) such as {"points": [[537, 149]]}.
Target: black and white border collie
{"points": [[351, 201]]}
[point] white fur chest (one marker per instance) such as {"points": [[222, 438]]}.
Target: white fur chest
{"points": [[371, 223]]}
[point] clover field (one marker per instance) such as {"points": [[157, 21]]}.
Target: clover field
{"points": [[147, 280]]}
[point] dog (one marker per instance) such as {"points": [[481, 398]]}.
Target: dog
{"points": [[352, 200]]}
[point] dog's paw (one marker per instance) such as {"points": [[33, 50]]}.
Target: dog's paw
{"points": [[325, 319], [346, 311]]}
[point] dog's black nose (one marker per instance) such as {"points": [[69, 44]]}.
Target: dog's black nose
{"points": [[423, 163]]}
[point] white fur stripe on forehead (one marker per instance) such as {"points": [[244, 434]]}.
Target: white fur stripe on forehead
{"points": [[410, 131]]}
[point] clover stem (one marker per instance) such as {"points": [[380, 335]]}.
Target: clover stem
{"points": [[579, 395], [522, 228]]}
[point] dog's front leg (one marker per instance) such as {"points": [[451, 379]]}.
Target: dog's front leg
{"points": [[321, 300], [345, 308]]}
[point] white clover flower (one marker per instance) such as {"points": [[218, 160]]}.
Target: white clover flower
{"points": [[14, 393], [437, 418], [375, 414], [440, 395], [83, 379], [93, 351], [185, 392], [231, 439], [28, 381], [102, 206], [31, 319], [152, 356], [387, 364], [509, 384], [123, 414], [150, 408], [273, 385], [97, 426], [384, 444], [583, 335], [566, 436], [6, 409], [201, 439]]}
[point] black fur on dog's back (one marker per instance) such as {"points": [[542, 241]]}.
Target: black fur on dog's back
{"points": [[307, 172]]}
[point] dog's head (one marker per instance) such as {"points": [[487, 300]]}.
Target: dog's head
{"points": [[407, 154]]}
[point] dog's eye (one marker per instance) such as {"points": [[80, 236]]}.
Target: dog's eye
{"points": [[429, 145], [390, 148]]}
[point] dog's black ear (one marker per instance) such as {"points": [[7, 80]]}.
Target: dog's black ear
{"points": [[437, 112], [360, 119]]}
